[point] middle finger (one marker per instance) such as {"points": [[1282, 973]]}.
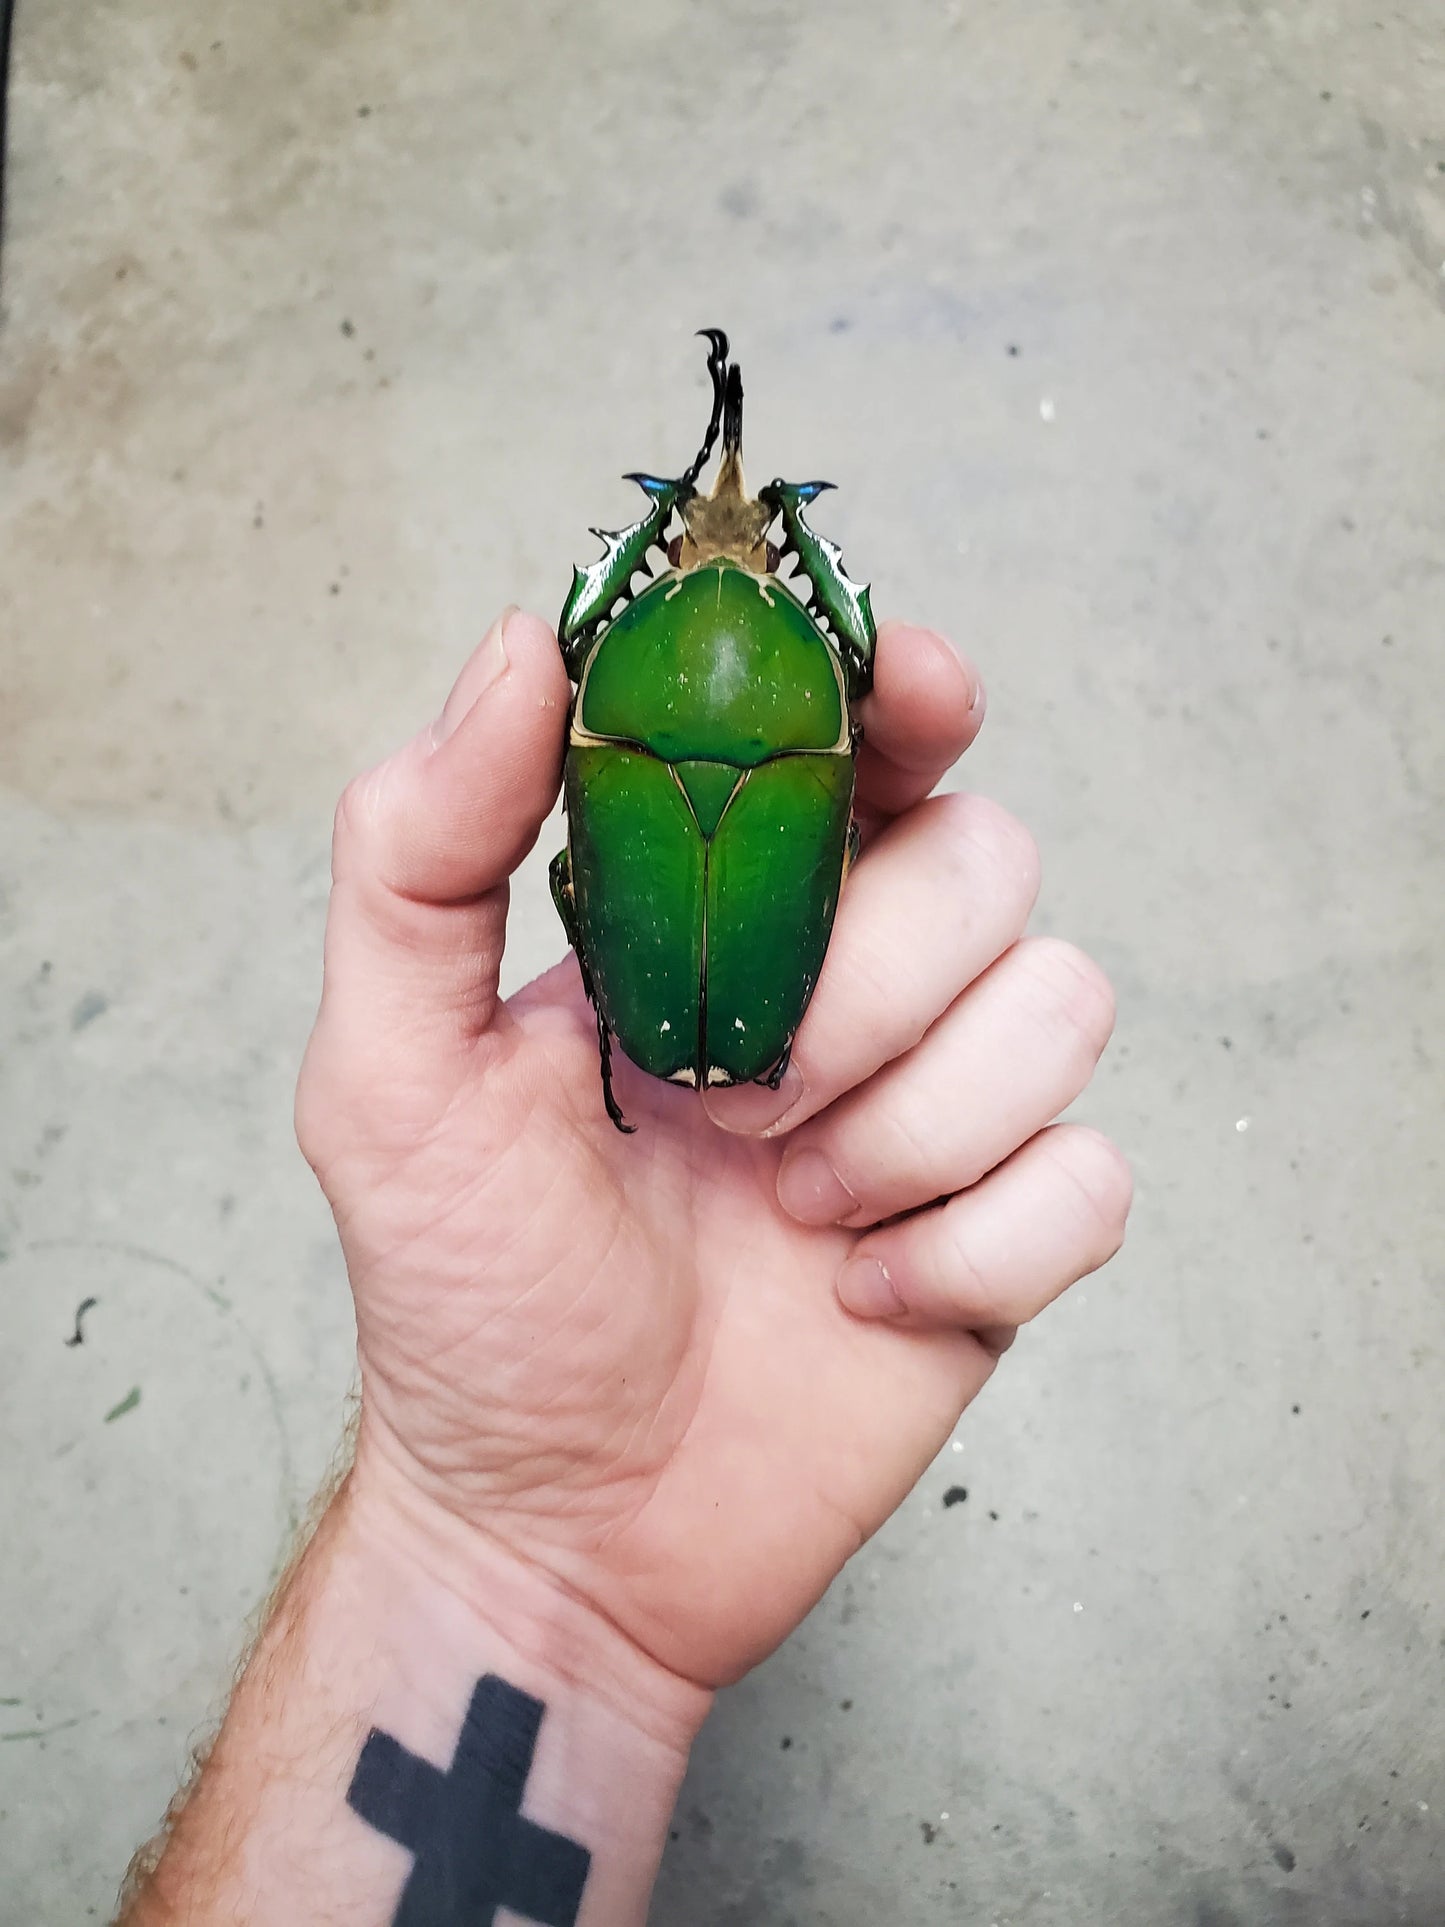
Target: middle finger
{"points": [[1013, 1052]]}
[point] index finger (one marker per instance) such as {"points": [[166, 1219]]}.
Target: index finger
{"points": [[925, 708]]}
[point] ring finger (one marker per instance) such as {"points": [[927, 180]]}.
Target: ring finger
{"points": [[995, 1256], [1005, 1059]]}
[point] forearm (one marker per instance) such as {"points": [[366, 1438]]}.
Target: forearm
{"points": [[413, 1688]]}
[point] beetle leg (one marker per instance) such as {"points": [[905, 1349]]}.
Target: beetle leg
{"points": [[775, 1076], [604, 1052], [560, 877]]}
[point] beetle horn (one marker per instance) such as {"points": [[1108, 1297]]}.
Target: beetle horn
{"points": [[732, 425], [717, 367]]}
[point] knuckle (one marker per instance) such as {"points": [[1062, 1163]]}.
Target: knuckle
{"points": [[355, 826], [865, 974], [351, 815], [1008, 846], [1101, 1183], [832, 1048], [969, 1289], [902, 1146], [308, 1114], [983, 833], [1079, 997]]}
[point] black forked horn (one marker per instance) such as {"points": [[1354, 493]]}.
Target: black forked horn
{"points": [[732, 426], [722, 384]]}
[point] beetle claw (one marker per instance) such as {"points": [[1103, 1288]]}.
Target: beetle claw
{"points": [[604, 1050], [773, 1081]]}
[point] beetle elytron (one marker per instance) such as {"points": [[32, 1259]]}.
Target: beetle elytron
{"points": [[708, 781]]}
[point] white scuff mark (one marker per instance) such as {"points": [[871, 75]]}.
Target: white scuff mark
{"points": [[1047, 411], [1241, 1124]]}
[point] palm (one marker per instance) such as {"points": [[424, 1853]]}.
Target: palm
{"points": [[619, 1355], [715, 1435]]}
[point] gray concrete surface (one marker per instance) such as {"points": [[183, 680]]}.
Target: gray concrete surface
{"points": [[329, 325]]}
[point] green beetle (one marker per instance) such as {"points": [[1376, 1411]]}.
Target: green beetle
{"points": [[708, 781]]}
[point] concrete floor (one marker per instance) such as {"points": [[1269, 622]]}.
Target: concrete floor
{"points": [[329, 327]]}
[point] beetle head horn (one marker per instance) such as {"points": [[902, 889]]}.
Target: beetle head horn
{"points": [[732, 423], [722, 381]]}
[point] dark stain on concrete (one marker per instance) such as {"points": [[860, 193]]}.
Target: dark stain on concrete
{"points": [[90, 1006]]}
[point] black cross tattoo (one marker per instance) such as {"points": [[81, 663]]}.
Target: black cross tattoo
{"points": [[474, 1851]]}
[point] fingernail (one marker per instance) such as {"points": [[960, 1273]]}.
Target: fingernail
{"points": [[487, 665], [810, 1190], [865, 1289], [752, 1110]]}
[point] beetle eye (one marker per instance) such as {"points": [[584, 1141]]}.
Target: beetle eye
{"points": [[674, 550], [775, 556]]}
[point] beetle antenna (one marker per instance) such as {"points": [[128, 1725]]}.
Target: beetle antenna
{"points": [[717, 367]]}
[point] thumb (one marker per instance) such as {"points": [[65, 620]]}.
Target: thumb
{"points": [[424, 844]]}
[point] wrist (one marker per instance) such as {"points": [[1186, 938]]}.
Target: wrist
{"points": [[471, 1589], [485, 1653], [429, 1728]]}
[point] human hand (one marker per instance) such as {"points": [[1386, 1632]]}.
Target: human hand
{"points": [[683, 1375]]}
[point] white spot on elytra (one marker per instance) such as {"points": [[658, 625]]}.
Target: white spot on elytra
{"points": [[665, 1025], [738, 1024]]}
